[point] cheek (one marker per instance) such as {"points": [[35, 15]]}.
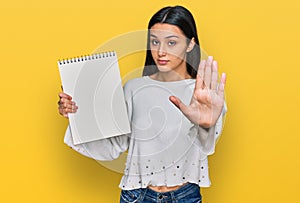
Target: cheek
{"points": [[178, 53], [153, 53]]}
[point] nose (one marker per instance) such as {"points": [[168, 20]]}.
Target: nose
{"points": [[161, 50]]}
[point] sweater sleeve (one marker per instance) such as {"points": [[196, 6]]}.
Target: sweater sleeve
{"points": [[105, 149], [207, 139]]}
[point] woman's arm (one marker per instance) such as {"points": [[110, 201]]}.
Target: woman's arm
{"points": [[208, 137], [105, 149], [207, 107]]}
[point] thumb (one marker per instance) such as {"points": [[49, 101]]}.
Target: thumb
{"points": [[177, 102]]}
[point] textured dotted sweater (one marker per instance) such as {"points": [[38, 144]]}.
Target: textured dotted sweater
{"points": [[164, 147]]}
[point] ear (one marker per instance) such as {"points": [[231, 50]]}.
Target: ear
{"points": [[191, 45]]}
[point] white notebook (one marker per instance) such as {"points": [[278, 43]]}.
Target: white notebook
{"points": [[95, 84]]}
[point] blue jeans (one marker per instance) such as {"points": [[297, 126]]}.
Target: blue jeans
{"points": [[189, 193]]}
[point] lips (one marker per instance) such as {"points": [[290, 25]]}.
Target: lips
{"points": [[162, 62]]}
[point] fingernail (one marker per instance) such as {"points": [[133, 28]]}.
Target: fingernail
{"points": [[223, 77], [210, 58]]}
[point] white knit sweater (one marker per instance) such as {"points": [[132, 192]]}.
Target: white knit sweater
{"points": [[164, 147]]}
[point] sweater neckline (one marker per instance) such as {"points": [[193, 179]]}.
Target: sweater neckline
{"points": [[148, 78]]}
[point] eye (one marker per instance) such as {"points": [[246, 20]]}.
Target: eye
{"points": [[154, 42], [172, 43]]}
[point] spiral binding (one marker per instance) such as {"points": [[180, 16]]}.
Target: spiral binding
{"points": [[87, 57]]}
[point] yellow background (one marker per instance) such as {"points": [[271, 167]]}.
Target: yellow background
{"points": [[256, 43]]}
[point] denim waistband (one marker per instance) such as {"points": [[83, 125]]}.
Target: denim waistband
{"points": [[181, 192]]}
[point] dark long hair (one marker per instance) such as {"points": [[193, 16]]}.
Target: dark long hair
{"points": [[182, 18]]}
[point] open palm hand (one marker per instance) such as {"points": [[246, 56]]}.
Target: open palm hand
{"points": [[208, 98]]}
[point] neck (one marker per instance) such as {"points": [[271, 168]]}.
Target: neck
{"points": [[170, 76]]}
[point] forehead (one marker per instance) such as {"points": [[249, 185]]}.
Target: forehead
{"points": [[165, 30]]}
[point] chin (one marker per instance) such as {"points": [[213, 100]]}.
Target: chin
{"points": [[163, 68]]}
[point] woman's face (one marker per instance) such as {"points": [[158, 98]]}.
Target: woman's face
{"points": [[168, 47]]}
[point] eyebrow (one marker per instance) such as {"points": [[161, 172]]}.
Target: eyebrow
{"points": [[170, 36]]}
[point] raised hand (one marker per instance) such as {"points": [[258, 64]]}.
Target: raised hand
{"points": [[66, 105], [208, 98]]}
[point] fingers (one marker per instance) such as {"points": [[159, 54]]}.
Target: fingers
{"points": [[222, 85], [201, 68], [63, 113], [207, 71], [214, 76], [200, 75], [66, 105], [178, 104], [64, 95]]}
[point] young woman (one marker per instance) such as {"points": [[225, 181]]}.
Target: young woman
{"points": [[175, 110]]}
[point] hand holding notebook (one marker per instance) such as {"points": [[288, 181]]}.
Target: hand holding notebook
{"points": [[95, 84]]}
